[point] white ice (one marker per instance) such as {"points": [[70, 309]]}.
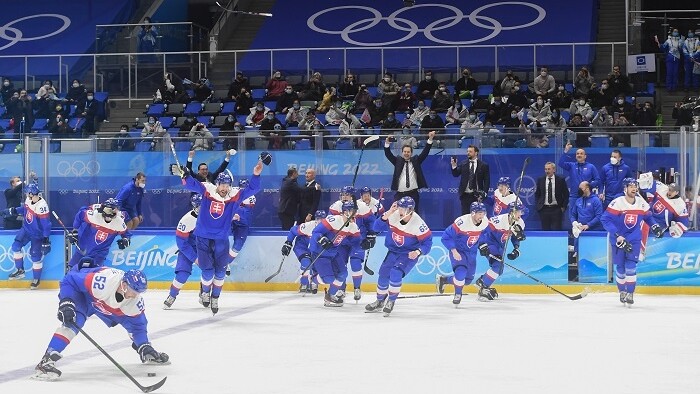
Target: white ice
{"points": [[284, 343]]}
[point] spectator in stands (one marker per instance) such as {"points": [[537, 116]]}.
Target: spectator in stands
{"points": [[201, 137], [329, 98], [363, 99], [603, 96], [13, 199], [388, 90], [295, 114], [406, 138], [59, 109], [20, 107], [466, 86], [349, 88], [6, 91], [539, 110], [273, 130], [406, 100], [517, 97], [229, 132], [391, 124], [202, 90], [619, 83], [673, 47], [583, 83], [171, 91], [313, 89], [580, 106], [622, 107], [690, 48], [513, 120], [432, 122], [535, 134], [562, 98], [579, 127], [244, 102], [275, 86], [153, 129], [45, 98], [602, 121], [645, 115], [121, 142], [311, 127], [555, 122], [623, 138], [683, 113], [336, 113], [147, 38], [286, 100], [442, 100], [471, 122], [59, 128], [544, 85], [417, 115], [375, 115], [187, 125], [457, 113], [308, 121], [497, 112], [234, 89], [88, 110], [257, 114], [428, 86], [76, 93], [508, 83]]}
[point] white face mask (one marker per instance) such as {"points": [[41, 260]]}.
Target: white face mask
{"points": [[142, 185], [387, 79], [516, 88], [620, 101], [75, 85], [582, 102], [6, 83], [543, 73], [472, 117], [613, 160], [90, 97], [428, 77]]}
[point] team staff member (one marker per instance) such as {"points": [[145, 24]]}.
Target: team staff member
{"points": [[552, 198], [408, 175], [474, 178]]}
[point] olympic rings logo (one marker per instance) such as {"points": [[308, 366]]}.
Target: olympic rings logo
{"points": [[156, 191], [428, 264], [110, 191], [18, 35], [411, 28], [527, 189], [78, 168], [8, 256]]}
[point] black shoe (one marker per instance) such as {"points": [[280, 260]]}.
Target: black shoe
{"points": [[35, 284], [214, 304], [440, 282], [204, 299], [623, 297], [332, 301], [629, 299], [168, 302], [457, 299]]}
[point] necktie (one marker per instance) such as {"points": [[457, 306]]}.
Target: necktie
{"points": [[549, 192], [471, 176], [408, 179]]}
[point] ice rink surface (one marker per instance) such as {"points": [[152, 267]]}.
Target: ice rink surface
{"points": [[284, 343]]}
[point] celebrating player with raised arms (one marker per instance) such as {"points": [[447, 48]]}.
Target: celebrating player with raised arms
{"points": [[668, 208], [187, 252], [502, 196], [240, 226], [347, 193], [300, 235]]}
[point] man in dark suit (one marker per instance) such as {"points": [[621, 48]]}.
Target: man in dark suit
{"points": [[13, 197], [408, 175], [289, 199], [474, 178], [310, 196], [552, 196]]}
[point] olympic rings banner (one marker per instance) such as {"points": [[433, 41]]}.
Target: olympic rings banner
{"points": [[53, 262]]}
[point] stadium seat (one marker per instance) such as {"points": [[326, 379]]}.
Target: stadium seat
{"points": [[183, 145], [228, 108], [54, 147], [193, 108], [205, 120], [166, 121], [483, 91], [600, 141], [303, 144], [257, 94], [175, 109], [343, 144], [155, 109], [211, 109], [293, 130], [40, 124], [76, 123], [143, 146]]}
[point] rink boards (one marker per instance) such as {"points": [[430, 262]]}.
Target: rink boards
{"points": [[671, 265]]}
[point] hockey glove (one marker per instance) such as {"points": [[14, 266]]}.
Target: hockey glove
{"points": [[66, 311], [675, 230], [9, 212], [484, 250], [325, 243], [149, 355], [657, 231], [123, 243], [518, 233], [184, 172], [286, 248], [45, 245], [73, 237], [624, 245], [514, 254], [372, 238]]}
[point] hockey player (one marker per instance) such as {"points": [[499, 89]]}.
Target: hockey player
{"points": [[502, 196], [347, 193], [368, 208], [219, 202], [331, 242], [623, 221], [462, 240], [240, 226], [409, 238], [111, 294], [94, 229], [300, 235], [493, 242], [668, 209], [36, 228], [186, 247]]}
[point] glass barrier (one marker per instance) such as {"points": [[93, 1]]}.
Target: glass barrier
{"points": [[156, 37]]}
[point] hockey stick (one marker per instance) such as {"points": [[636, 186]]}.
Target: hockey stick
{"points": [[366, 142], [423, 296], [67, 232], [364, 263], [517, 198], [573, 298], [172, 149], [279, 269], [145, 389], [243, 12]]}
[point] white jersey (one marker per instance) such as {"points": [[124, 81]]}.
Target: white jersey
{"points": [[96, 220], [500, 203], [186, 225], [249, 202], [336, 208], [307, 228], [464, 225], [102, 286], [364, 209], [335, 223]]}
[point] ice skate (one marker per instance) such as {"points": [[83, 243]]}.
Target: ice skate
{"points": [[457, 299], [214, 305], [35, 284], [19, 274], [375, 306], [228, 270], [340, 294], [332, 301], [486, 293], [314, 288], [629, 299], [168, 302], [388, 307], [623, 297], [440, 282], [204, 299], [46, 369], [357, 294]]}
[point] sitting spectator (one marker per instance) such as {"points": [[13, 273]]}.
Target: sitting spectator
{"points": [[312, 127], [508, 83], [622, 138], [497, 112], [406, 100], [471, 122], [153, 129], [202, 138], [230, 131], [562, 98], [583, 83], [45, 98], [274, 132], [284, 103], [295, 114], [313, 88], [489, 129], [513, 121], [59, 128], [388, 91], [603, 96], [336, 114], [407, 139], [645, 115], [428, 86], [619, 83], [517, 97], [234, 89], [578, 128], [374, 115], [442, 100], [76, 93], [457, 113], [363, 99], [7, 90], [466, 86], [556, 123], [580, 106], [121, 142], [275, 86], [187, 125], [535, 134], [432, 122], [349, 88], [60, 109], [257, 114], [544, 85], [602, 120], [622, 107], [391, 124], [88, 110], [329, 98], [269, 121], [539, 111], [202, 90], [417, 115], [244, 102]]}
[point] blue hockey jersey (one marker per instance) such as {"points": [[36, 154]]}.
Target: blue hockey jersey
{"points": [[245, 212], [496, 233], [404, 238], [334, 227], [36, 218], [366, 215], [625, 219], [95, 236], [463, 234], [664, 210]]}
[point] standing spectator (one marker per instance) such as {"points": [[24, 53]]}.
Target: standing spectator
{"points": [[275, 86], [611, 178], [673, 46], [147, 37], [428, 86], [244, 102], [130, 197], [309, 196], [202, 90], [203, 174], [237, 83], [406, 101], [544, 85], [475, 178], [88, 110], [388, 91], [286, 100], [289, 199], [408, 176], [313, 89], [13, 198], [7, 90], [466, 86], [690, 47], [349, 88], [442, 100], [603, 96], [579, 170], [122, 142], [683, 113], [363, 99], [20, 108], [552, 198], [619, 83], [583, 83]]}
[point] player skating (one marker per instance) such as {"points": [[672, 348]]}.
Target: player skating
{"points": [[347, 194], [368, 208], [187, 252], [300, 236], [502, 196]]}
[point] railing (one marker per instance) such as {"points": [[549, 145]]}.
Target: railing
{"points": [[168, 36]]}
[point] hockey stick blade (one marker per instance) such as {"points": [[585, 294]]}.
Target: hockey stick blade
{"points": [[279, 269], [244, 12], [366, 268], [370, 139], [424, 296]]}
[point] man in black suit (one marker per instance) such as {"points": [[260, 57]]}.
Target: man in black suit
{"points": [[289, 199], [474, 178], [552, 196], [13, 197], [408, 174], [310, 196]]}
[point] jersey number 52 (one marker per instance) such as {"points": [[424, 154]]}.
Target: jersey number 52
{"points": [[99, 282]]}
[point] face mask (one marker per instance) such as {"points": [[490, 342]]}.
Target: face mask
{"points": [[75, 85], [259, 108], [387, 79], [613, 161], [580, 193], [121, 131], [421, 106], [539, 102], [278, 127], [389, 118], [230, 118], [296, 106], [278, 75], [543, 73], [406, 131], [58, 108], [270, 117], [582, 102], [237, 128], [378, 105], [442, 89], [620, 101], [513, 116], [690, 35], [675, 34], [46, 85], [472, 117], [555, 115], [561, 88], [458, 106], [516, 88], [604, 86], [288, 90], [90, 97], [142, 185], [497, 102], [428, 77], [6, 83], [151, 121]]}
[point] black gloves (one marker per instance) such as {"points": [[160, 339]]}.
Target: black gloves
{"points": [[286, 248], [66, 311]]}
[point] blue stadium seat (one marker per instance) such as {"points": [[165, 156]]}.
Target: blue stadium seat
{"points": [[293, 130], [483, 91], [372, 90], [183, 145], [3, 110], [71, 112], [143, 146], [333, 129], [465, 142], [205, 120], [228, 108], [155, 109], [343, 144], [282, 118], [566, 115], [173, 132], [467, 103], [193, 108], [303, 144], [400, 117], [452, 129], [166, 121], [270, 104], [76, 123], [54, 147], [5, 125], [600, 141], [241, 119], [215, 131], [40, 124], [569, 87], [257, 94]]}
